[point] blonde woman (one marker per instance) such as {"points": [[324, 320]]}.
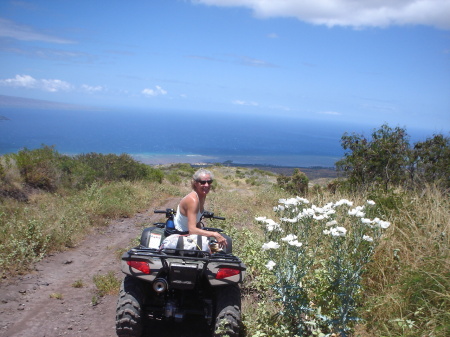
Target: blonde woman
{"points": [[192, 206]]}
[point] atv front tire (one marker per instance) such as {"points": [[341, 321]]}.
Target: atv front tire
{"points": [[129, 315], [228, 311]]}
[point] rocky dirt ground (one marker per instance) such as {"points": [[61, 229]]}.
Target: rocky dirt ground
{"points": [[26, 306]]}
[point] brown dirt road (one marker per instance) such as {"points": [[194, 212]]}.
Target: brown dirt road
{"points": [[27, 310]]}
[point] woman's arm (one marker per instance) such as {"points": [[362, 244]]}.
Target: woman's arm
{"points": [[192, 207]]}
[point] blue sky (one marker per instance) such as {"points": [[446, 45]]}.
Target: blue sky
{"points": [[371, 61]]}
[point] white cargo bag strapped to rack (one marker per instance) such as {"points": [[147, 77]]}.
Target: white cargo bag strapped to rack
{"points": [[186, 242]]}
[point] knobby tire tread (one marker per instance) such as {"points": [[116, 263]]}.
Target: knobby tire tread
{"points": [[228, 309], [129, 315]]}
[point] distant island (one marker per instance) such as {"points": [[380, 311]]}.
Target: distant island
{"points": [[29, 103]]}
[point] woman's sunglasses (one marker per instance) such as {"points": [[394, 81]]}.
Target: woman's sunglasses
{"points": [[203, 182]]}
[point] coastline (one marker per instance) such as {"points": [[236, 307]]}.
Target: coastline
{"points": [[313, 171], [288, 161]]}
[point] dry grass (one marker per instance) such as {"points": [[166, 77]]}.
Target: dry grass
{"points": [[411, 269], [27, 229], [406, 284]]}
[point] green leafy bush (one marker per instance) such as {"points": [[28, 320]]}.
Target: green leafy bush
{"points": [[432, 160], [387, 159], [46, 169], [39, 168], [381, 160], [110, 167], [295, 184]]}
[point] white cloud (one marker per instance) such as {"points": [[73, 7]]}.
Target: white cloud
{"points": [[247, 103], [26, 81], [25, 33], [252, 62], [55, 85], [333, 113], [280, 107], [154, 92], [358, 14], [92, 89]]}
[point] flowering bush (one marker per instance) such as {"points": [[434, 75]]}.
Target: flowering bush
{"points": [[317, 255]]}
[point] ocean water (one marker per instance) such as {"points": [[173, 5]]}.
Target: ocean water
{"points": [[160, 137]]}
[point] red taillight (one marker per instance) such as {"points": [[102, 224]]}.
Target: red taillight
{"points": [[226, 272], [139, 265]]}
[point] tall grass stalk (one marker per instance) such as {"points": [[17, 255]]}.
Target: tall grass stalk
{"points": [[411, 268]]}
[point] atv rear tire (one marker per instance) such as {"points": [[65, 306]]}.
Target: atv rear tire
{"points": [[228, 311], [129, 315]]}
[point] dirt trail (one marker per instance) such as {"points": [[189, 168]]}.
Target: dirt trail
{"points": [[26, 309]]}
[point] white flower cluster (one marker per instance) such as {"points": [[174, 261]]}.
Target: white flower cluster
{"points": [[289, 237], [270, 224], [376, 223], [292, 240], [367, 238], [358, 211], [293, 201], [343, 202], [270, 265], [380, 223], [270, 245], [335, 231], [317, 213]]}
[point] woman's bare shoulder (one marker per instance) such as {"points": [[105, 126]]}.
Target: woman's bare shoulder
{"points": [[190, 200]]}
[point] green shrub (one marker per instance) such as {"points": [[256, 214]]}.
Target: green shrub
{"points": [[432, 160], [46, 169], [39, 167], [296, 184], [173, 178], [110, 167], [22, 243], [2, 172]]}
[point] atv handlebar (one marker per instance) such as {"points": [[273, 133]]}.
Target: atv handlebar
{"points": [[210, 215], [169, 212]]}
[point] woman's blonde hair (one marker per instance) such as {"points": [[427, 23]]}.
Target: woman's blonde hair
{"points": [[200, 172]]}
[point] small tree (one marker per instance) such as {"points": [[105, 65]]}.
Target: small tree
{"points": [[296, 184], [431, 160], [382, 159], [39, 167]]}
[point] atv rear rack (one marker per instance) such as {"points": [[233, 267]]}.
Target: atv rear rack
{"points": [[183, 254]]}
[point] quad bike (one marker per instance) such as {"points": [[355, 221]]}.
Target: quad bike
{"points": [[169, 284]]}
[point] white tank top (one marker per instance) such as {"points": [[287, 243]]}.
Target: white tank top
{"points": [[181, 221]]}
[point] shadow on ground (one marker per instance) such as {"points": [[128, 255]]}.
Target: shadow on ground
{"points": [[190, 327]]}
